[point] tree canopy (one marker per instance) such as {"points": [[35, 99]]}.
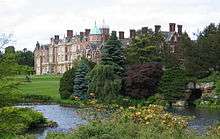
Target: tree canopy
{"points": [[145, 48]]}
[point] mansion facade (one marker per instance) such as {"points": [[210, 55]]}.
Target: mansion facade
{"points": [[58, 56]]}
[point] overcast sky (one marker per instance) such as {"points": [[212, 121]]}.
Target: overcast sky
{"points": [[38, 20]]}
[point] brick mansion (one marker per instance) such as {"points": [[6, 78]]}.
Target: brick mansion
{"points": [[58, 56]]}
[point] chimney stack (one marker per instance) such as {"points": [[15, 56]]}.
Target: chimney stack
{"points": [[69, 33], [172, 27], [132, 33], [144, 30], [81, 33], [56, 39], [157, 28], [105, 31], [121, 35], [38, 45], [87, 32], [180, 27]]}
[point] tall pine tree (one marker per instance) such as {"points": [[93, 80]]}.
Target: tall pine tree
{"points": [[80, 83], [112, 54]]}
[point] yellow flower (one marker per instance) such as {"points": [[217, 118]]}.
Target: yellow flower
{"points": [[131, 108], [138, 113]]}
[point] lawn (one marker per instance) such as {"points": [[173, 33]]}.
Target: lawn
{"points": [[47, 85], [218, 87]]}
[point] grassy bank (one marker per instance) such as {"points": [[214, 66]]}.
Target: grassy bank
{"points": [[40, 85], [15, 121]]}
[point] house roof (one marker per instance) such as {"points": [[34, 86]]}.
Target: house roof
{"points": [[168, 35]]}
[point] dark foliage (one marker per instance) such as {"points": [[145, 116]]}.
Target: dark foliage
{"points": [[201, 57], [173, 83], [25, 57], [141, 80], [66, 83], [9, 50], [104, 83]]}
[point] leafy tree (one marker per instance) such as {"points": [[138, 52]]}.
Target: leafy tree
{"points": [[67, 83], [104, 82], [193, 58], [1, 55], [9, 50], [25, 58], [8, 64], [112, 54], [172, 84], [201, 57], [209, 44], [145, 48], [141, 80]]}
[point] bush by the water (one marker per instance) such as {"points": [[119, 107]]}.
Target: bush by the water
{"points": [[104, 84], [75, 75], [8, 99], [173, 83], [19, 120], [66, 83], [141, 80]]}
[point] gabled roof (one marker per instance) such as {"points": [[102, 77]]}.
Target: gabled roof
{"points": [[168, 35]]}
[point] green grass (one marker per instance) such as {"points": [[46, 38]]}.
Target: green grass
{"points": [[19, 120], [47, 85], [218, 87]]}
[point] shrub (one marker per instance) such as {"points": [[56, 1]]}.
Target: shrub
{"points": [[8, 99], [141, 80], [36, 98], [19, 120], [172, 84], [103, 82], [66, 83]]}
